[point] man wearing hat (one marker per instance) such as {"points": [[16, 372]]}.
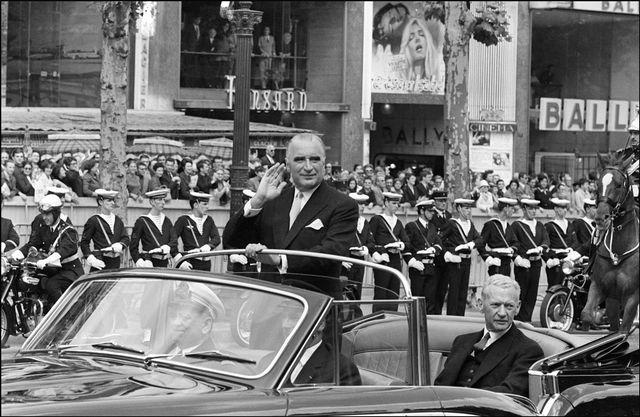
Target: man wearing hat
{"points": [[584, 228], [425, 244], [198, 232], [497, 244], [440, 217], [60, 241], [362, 246], [561, 236], [61, 193], [390, 239], [458, 241], [531, 241], [107, 232], [156, 233]]}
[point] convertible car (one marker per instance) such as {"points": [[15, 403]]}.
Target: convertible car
{"points": [[177, 342]]}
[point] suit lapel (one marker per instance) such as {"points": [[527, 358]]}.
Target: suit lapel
{"points": [[313, 206], [495, 354]]}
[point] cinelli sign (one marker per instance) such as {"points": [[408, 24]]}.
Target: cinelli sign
{"points": [[268, 100], [577, 115]]}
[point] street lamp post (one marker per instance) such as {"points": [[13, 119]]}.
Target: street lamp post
{"points": [[245, 19]]}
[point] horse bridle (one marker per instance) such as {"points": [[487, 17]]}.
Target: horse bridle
{"points": [[616, 206]]}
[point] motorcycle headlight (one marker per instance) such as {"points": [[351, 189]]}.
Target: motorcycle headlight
{"points": [[567, 267]]}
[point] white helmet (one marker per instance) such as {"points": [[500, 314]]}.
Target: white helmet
{"points": [[633, 126], [49, 202]]}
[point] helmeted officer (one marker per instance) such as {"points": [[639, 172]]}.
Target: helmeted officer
{"points": [[60, 241], [584, 228], [198, 232], [425, 244], [362, 246], [440, 217], [561, 236], [497, 244], [156, 233], [108, 233], [532, 241]]}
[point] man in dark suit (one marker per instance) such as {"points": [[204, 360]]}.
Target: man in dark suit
{"points": [[440, 217], [310, 216], [498, 357], [268, 159]]}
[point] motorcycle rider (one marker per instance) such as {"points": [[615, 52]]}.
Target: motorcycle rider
{"points": [[584, 228], [498, 237], [561, 235], [10, 238], [60, 241], [531, 241], [107, 231]]}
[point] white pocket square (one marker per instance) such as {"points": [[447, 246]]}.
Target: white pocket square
{"points": [[315, 225]]}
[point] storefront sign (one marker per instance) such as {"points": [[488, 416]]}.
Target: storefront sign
{"points": [[407, 136], [491, 127], [268, 100], [400, 66], [577, 115], [625, 7]]}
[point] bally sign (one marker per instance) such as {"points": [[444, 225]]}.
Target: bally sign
{"points": [[576, 115], [267, 100]]}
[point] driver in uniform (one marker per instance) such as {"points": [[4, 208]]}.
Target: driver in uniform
{"points": [[60, 241]]}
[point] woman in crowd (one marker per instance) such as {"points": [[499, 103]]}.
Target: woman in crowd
{"points": [[542, 193], [134, 186], [352, 185], [513, 190], [91, 180], [45, 180]]}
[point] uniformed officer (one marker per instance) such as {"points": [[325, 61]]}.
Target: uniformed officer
{"points": [[198, 232], [390, 240], [156, 233], [60, 241], [107, 232], [440, 217], [425, 244], [10, 238], [497, 244], [584, 228], [561, 236], [458, 241], [531, 241], [61, 192], [238, 262], [362, 246]]}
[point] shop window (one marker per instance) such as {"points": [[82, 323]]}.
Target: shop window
{"points": [[208, 42], [53, 54]]}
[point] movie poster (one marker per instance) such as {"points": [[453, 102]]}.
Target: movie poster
{"points": [[407, 49], [492, 151]]}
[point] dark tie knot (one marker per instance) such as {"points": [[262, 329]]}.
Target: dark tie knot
{"points": [[482, 343]]}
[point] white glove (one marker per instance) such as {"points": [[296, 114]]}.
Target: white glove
{"points": [[51, 259], [164, 249], [553, 262], [521, 262], [95, 262], [376, 257], [17, 255], [431, 250], [148, 264], [186, 265], [493, 261], [449, 257], [362, 251], [535, 251], [471, 245], [141, 263], [347, 265], [414, 263], [238, 259], [573, 256], [117, 247], [205, 248], [395, 245], [385, 257], [3, 247]]}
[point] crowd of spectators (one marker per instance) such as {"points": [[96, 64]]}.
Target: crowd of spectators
{"points": [[31, 174]]}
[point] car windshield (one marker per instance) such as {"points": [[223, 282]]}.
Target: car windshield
{"points": [[159, 320]]}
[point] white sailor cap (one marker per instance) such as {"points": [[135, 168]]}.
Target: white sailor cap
{"points": [[464, 202], [107, 194], [49, 202], [360, 198], [425, 203], [559, 202], [590, 202], [526, 201], [159, 193], [391, 196], [199, 196], [508, 201], [59, 191], [201, 294], [248, 193]]}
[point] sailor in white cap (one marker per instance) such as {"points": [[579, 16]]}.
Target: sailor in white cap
{"points": [[390, 240], [584, 228], [440, 217], [459, 240], [108, 233], [425, 244], [532, 240], [198, 232], [59, 240], [362, 246], [156, 233], [497, 244], [561, 242]]}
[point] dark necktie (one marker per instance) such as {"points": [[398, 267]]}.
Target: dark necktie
{"points": [[482, 343]]}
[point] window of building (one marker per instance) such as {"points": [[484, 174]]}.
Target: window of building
{"points": [[208, 45]]}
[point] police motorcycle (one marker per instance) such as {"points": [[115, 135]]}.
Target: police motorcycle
{"points": [[562, 304], [23, 294]]}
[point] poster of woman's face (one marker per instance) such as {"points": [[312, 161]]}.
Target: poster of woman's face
{"points": [[407, 50]]}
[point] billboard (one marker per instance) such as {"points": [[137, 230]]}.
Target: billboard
{"points": [[407, 50]]}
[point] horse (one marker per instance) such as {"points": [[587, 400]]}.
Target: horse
{"points": [[614, 276]]}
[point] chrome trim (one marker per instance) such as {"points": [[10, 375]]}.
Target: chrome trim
{"points": [[549, 404]]}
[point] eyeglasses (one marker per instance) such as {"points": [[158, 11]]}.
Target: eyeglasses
{"points": [[27, 169]]}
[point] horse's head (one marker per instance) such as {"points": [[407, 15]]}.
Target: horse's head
{"points": [[613, 192]]}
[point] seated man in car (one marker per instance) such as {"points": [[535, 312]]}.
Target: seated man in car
{"points": [[498, 357]]}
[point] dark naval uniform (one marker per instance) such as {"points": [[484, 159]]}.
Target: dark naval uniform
{"points": [[63, 239], [495, 236], [440, 222], [99, 231], [9, 235], [362, 237], [528, 278], [458, 273], [145, 231], [424, 283], [583, 230], [187, 229], [386, 285], [560, 242]]}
